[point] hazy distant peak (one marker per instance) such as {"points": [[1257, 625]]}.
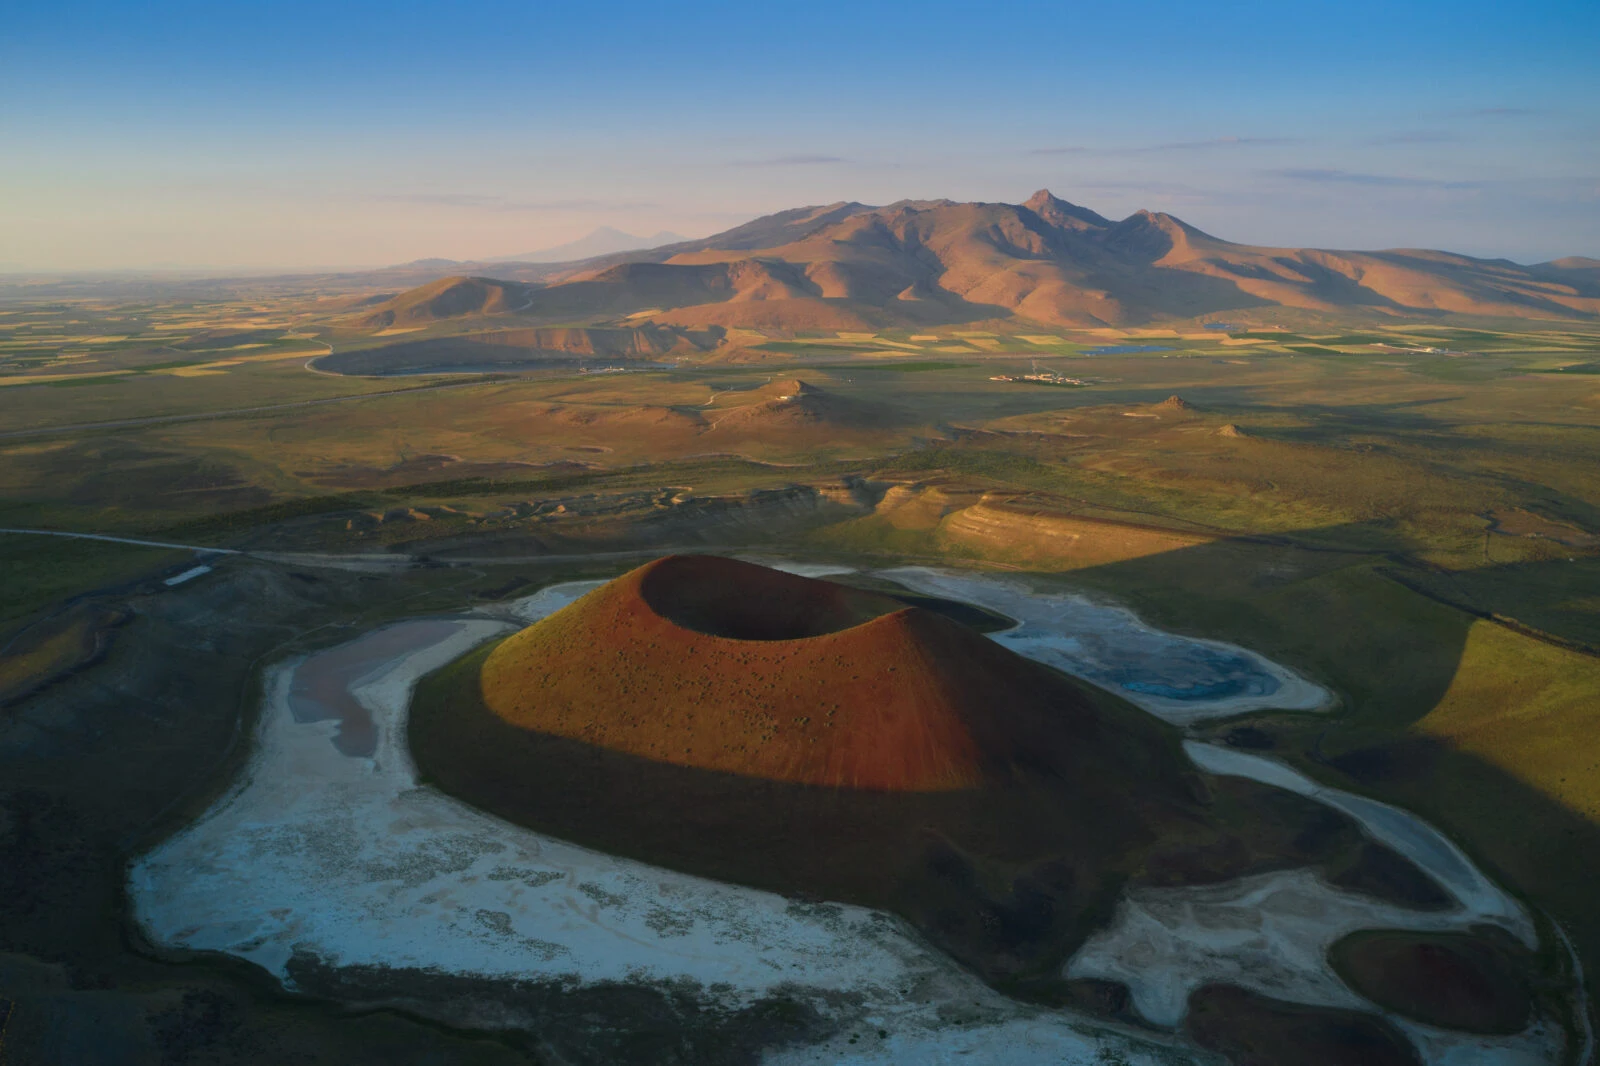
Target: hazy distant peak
{"points": [[604, 240], [611, 233]]}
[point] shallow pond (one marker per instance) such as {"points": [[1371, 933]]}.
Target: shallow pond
{"points": [[1177, 678]]}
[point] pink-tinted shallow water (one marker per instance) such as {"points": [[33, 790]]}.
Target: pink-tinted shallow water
{"points": [[323, 685]]}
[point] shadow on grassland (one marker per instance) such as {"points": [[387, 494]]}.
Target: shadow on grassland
{"points": [[1392, 654]]}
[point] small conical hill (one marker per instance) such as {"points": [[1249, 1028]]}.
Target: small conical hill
{"points": [[796, 404], [449, 297], [723, 665], [753, 726]]}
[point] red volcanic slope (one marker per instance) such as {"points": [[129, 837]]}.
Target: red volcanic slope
{"points": [[723, 665]]}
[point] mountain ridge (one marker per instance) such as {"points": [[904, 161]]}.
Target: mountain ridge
{"points": [[846, 265]]}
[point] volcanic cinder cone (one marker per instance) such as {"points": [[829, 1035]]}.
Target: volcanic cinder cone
{"points": [[819, 740], [723, 665]]}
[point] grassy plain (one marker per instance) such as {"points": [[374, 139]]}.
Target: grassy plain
{"points": [[42, 572], [68, 642]]}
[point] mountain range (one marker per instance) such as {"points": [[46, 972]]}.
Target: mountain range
{"points": [[921, 262]]}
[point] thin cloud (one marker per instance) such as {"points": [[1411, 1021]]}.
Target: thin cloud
{"points": [[1416, 137], [1347, 177], [1166, 195], [790, 161], [441, 199], [1172, 146], [1218, 142], [1162, 188], [1500, 112], [482, 202]]}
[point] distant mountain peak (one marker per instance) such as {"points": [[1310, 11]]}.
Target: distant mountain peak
{"points": [[603, 240], [1058, 212], [1044, 200], [1159, 220]]}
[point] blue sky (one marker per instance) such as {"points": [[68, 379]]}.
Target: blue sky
{"points": [[317, 135]]}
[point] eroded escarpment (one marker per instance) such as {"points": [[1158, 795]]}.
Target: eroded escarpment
{"points": [[792, 734]]}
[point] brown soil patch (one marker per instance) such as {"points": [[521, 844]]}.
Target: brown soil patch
{"points": [[1377, 871], [1520, 523], [1451, 980], [1255, 1030]]}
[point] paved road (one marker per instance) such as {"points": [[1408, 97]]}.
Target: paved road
{"points": [[123, 540], [337, 560], [230, 412]]}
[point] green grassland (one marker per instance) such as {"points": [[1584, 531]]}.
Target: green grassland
{"points": [[1412, 454], [41, 572]]}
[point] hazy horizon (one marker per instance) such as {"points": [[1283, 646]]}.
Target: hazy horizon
{"points": [[192, 138]]}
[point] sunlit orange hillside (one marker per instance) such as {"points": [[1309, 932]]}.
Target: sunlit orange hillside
{"points": [[723, 665]]}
